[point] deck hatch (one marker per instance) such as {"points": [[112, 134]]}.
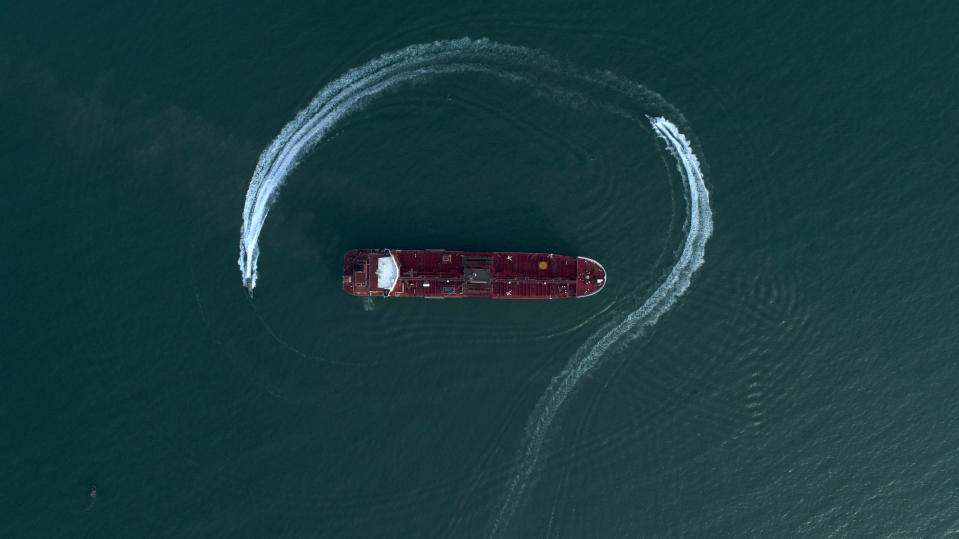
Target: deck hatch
{"points": [[478, 275]]}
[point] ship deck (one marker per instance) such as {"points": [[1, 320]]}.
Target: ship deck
{"points": [[457, 274]]}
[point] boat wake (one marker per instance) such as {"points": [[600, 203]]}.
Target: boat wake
{"points": [[699, 227], [548, 79], [348, 93]]}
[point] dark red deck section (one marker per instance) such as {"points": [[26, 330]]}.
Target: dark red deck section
{"points": [[458, 274]]}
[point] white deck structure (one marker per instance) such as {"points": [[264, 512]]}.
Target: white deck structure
{"points": [[387, 272]]}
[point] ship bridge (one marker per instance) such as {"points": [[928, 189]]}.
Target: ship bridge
{"points": [[387, 272]]}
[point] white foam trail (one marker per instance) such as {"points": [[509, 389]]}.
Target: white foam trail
{"points": [[700, 226], [415, 63], [339, 99], [421, 62]]}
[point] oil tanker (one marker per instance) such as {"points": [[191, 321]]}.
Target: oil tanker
{"points": [[436, 273]]}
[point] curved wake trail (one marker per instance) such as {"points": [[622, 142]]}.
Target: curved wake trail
{"points": [[417, 63], [344, 96], [700, 226]]}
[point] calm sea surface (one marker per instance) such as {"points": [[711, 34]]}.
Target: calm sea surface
{"points": [[804, 384]]}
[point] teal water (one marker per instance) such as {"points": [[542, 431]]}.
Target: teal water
{"points": [[804, 383]]}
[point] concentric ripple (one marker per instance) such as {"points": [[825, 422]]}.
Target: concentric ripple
{"points": [[547, 79], [417, 64], [700, 227]]}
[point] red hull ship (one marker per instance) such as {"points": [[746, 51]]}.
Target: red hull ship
{"points": [[458, 274]]}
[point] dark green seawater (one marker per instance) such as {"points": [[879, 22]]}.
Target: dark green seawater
{"points": [[805, 384]]}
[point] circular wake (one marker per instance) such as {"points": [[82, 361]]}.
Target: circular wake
{"points": [[548, 79]]}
